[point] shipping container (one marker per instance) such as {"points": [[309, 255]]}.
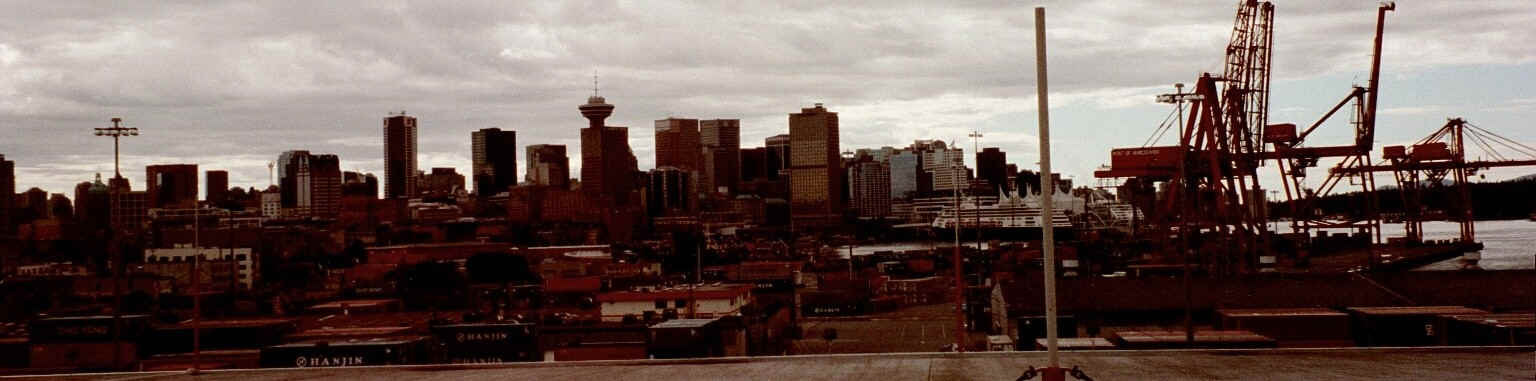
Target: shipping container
{"points": [[1077, 344], [1163, 158], [599, 342], [487, 342], [1223, 339], [1400, 326], [14, 352], [322, 354], [688, 338], [1488, 329], [1291, 327], [1030, 328], [219, 334], [84, 329], [1431, 151], [1394, 152], [1280, 133], [83, 356]]}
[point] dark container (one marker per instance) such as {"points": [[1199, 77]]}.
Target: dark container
{"points": [[320, 354], [488, 342], [686, 338], [1291, 327], [1033, 327], [219, 335], [1488, 329], [86, 329], [82, 356], [1400, 326]]}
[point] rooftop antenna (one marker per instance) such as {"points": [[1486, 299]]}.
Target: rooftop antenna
{"points": [[594, 83]]}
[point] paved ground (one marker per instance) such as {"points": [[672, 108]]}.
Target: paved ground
{"points": [[1282, 364]]}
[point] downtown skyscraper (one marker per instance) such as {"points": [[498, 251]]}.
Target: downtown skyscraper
{"points": [[399, 156], [608, 168], [171, 185], [721, 139], [548, 165], [815, 167], [494, 167]]}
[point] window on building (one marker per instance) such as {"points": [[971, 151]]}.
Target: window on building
{"points": [[661, 304], [240, 257]]}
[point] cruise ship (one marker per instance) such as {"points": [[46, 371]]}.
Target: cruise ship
{"points": [[1010, 212]]}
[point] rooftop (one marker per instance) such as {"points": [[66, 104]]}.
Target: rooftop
{"points": [[1294, 364]]}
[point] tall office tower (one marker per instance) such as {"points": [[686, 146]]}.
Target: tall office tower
{"points": [[946, 165], [992, 166], [815, 167], [778, 155], [495, 160], [172, 185], [359, 184], [441, 182], [310, 185], [216, 190], [548, 165], [754, 164], [92, 203], [7, 195], [871, 188], [678, 144], [669, 191], [293, 180], [399, 156], [906, 167], [722, 154], [325, 186], [608, 169]]}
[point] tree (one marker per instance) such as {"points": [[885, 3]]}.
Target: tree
{"points": [[435, 285], [501, 268]]}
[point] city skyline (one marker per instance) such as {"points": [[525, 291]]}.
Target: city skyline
{"points": [[1322, 50]]}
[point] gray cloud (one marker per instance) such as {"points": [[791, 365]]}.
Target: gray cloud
{"points": [[230, 85]]}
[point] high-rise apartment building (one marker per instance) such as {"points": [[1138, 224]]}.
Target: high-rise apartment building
{"points": [[815, 167], [310, 185], [777, 158], [678, 144], [722, 154], [992, 167], [400, 156], [669, 190], [172, 186], [608, 169], [870, 190], [441, 182], [7, 195], [495, 160], [359, 184], [216, 190], [548, 165]]}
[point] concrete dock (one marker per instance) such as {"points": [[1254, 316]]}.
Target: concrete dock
{"points": [[1444, 363]]}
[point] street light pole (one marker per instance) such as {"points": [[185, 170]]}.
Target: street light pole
{"points": [[117, 131]]}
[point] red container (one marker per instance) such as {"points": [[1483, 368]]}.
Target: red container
{"points": [[1144, 158], [1394, 152], [1431, 151], [81, 355], [1280, 133]]}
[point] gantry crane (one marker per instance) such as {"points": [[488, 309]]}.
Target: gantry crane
{"points": [[1212, 190], [1439, 157]]}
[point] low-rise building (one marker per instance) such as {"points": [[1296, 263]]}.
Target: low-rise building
{"points": [[708, 302], [242, 258]]}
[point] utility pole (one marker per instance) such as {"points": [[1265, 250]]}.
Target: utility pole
{"points": [[197, 296], [976, 200], [959, 269], [1053, 371], [117, 131]]}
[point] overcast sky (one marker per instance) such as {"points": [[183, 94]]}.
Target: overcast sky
{"points": [[231, 85]]}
